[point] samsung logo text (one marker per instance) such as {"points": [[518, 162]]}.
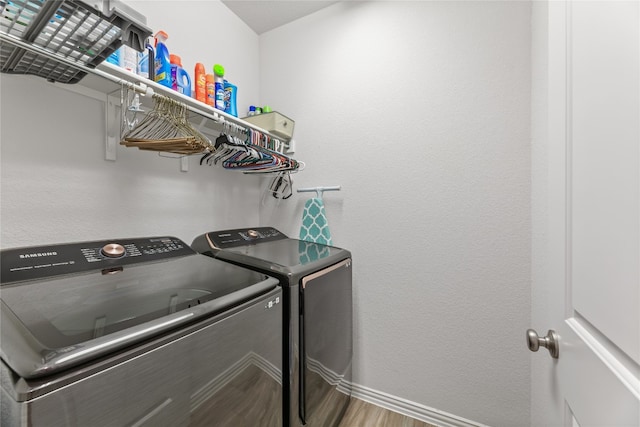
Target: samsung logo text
{"points": [[38, 255]]}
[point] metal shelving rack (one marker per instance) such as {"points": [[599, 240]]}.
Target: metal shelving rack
{"points": [[67, 41]]}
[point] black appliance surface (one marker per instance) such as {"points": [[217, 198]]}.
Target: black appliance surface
{"points": [[62, 305], [269, 249], [317, 317]]}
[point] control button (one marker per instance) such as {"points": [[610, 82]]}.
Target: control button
{"points": [[253, 234], [112, 250]]}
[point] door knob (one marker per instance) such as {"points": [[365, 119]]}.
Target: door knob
{"points": [[550, 342]]}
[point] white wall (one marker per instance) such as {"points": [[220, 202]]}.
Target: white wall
{"points": [[55, 184], [421, 111]]}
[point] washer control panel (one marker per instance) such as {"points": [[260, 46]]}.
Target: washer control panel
{"points": [[52, 260], [242, 236]]}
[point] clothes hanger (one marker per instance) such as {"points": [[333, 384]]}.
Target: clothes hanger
{"points": [[282, 186], [249, 155], [166, 128]]}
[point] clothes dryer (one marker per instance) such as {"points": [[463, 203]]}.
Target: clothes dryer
{"points": [[317, 316]]}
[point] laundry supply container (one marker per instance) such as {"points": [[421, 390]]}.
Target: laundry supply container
{"points": [[274, 122]]}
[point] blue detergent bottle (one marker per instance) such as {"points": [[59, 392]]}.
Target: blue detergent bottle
{"points": [[180, 80], [162, 60], [114, 58], [218, 72], [230, 91]]}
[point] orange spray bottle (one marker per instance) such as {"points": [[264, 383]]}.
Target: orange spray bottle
{"points": [[201, 83], [210, 91]]}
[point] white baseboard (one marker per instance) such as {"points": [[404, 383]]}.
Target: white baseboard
{"points": [[411, 409], [327, 374], [392, 403], [213, 386], [378, 398]]}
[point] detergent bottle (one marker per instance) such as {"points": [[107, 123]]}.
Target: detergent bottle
{"points": [[125, 57], [180, 80], [201, 83], [114, 58], [230, 91], [218, 72], [162, 60], [129, 59]]}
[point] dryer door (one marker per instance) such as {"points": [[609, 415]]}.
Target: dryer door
{"points": [[326, 347]]}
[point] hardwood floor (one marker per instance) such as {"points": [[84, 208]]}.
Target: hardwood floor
{"points": [[325, 403], [363, 414], [250, 395]]}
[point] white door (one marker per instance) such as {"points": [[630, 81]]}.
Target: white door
{"points": [[586, 213]]}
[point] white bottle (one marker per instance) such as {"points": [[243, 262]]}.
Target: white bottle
{"points": [[129, 59]]}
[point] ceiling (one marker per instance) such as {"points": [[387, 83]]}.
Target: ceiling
{"points": [[265, 15]]}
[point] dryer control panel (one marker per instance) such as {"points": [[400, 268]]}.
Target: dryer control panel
{"points": [[241, 237]]}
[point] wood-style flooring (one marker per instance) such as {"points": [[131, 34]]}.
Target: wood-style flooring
{"points": [[253, 395], [364, 414], [326, 403]]}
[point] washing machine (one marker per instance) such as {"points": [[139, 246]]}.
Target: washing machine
{"points": [[137, 332], [317, 316]]}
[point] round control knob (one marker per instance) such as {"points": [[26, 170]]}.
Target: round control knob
{"points": [[252, 233], [112, 250]]}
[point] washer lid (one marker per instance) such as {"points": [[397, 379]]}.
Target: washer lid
{"points": [[269, 250], [289, 253], [52, 324]]}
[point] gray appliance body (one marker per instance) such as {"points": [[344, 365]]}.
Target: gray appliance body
{"points": [[317, 317], [141, 332]]}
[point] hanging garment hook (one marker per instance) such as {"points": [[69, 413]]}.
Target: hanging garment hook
{"points": [[281, 186], [319, 190], [128, 104]]}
